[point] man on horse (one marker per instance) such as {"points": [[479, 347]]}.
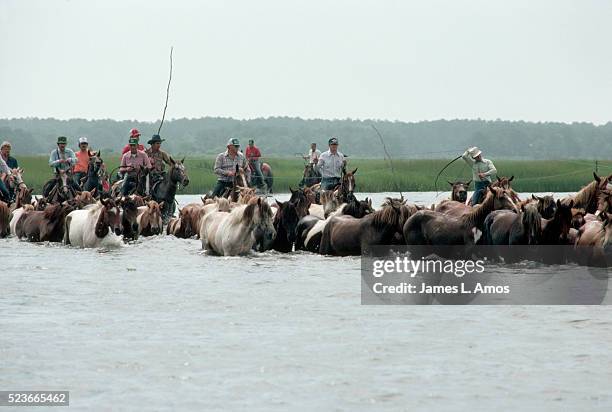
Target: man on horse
{"points": [[311, 176], [5, 173], [132, 163], [11, 163], [482, 170], [83, 155], [253, 154], [62, 159], [330, 165], [159, 159], [5, 152], [225, 166], [313, 154], [134, 134]]}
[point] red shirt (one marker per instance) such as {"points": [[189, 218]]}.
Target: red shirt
{"points": [[127, 148], [252, 153], [82, 161]]}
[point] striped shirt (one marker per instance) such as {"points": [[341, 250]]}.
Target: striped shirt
{"points": [[140, 159], [225, 164], [330, 165]]}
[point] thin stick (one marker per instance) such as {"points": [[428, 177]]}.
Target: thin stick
{"points": [[167, 92], [390, 160]]}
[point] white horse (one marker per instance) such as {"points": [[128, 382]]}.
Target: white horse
{"points": [[16, 215], [239, 231], [93, 226], [314, 234]]}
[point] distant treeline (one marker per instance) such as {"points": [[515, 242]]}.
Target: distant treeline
{"points": [[285, 136]]}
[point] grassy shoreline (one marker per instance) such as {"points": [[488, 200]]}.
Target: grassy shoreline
{"points": [[374, 175]]}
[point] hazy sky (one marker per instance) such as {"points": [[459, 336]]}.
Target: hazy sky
{"points": [[398, 60]]}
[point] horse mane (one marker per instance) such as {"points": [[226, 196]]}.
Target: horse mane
{"points": [[531, 219], [584, 196], [390, 214], [53, 212], [4, 214], [479, 212], [249, 211]]}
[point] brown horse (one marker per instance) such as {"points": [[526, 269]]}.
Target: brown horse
{"points": [[588, 197], [285, 223], [150, 219], [428, 227], [503, 227], [496, 198], [310, 227], [84, 198], [23, 197], [459, 190], [594, 241], [555, 231], [4, 220], [45, 226], [347, 235], [300, 199], [504, 183], [578, 218], [129, 218]]}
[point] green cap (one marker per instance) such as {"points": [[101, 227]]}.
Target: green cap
{"points": [[62, 139], [133, 141]]}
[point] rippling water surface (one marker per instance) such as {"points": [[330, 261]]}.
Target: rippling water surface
{"points": [[160, 325]]}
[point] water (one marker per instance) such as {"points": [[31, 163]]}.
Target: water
{"points": [[160, 325]]}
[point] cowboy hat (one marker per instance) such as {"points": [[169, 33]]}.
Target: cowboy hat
{"points": [[474, 152], [156, 139]]}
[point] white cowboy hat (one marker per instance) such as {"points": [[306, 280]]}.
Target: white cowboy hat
{"points": [[474, 152]]}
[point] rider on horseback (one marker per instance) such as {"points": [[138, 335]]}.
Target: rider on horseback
{"points": [[311, 176], [5, 172], [159, 159], [330, 164], [11, 163], [5, 152], [62, 159], [253, 155], [131, 163], [225, 166], [482, 170], [83, 155]]}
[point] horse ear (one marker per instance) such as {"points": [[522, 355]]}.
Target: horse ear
{"points": [[354, 171], [448, 181], [172, 160], [597, 178], [534, 197], [571, 203], [511, 177], [291, 190], [183, 159], [161, 204], [259, 201], [279, 203], [468, 183], [30, 190]]}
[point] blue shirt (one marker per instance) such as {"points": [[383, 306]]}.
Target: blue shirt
{"points": [[56, 156]]}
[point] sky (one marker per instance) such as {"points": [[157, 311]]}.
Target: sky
{"points": [[368, 59]]}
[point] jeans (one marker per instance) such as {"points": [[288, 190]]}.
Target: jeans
{"points": [[257, 174], [4, 191], [220, 188], [328, 183], [479, 188]]}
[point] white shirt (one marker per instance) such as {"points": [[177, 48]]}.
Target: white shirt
{"points": [[313, 154], [330, 165]]}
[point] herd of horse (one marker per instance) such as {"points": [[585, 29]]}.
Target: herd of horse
{"points": [[332, 222]]}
